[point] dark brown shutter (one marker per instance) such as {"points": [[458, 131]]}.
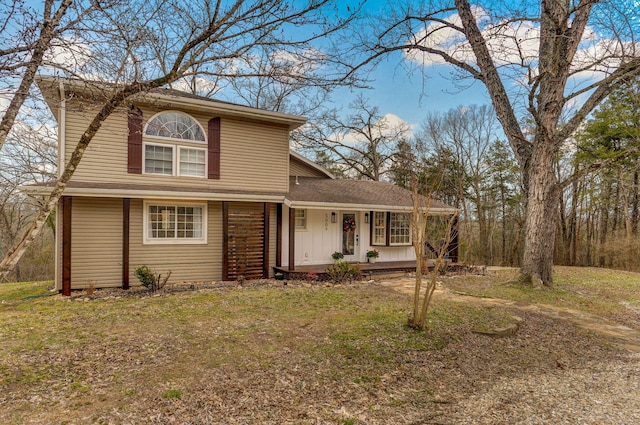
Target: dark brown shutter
{"points": [[371, 233], [388, 229], [214, 148], [134, 161]]}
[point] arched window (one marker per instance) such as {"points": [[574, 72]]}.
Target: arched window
{"points": [[172, 156], [175, 125]]}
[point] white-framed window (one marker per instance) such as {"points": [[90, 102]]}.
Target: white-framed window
{"points": [[163, 157], [175, 125], [400, 229], [172, 160], [301, 219], [379, 225], [192, 162], [391, 229], [175, 223], [158, 159]]}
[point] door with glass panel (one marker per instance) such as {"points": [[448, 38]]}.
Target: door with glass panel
{"points": [[350, 236]]}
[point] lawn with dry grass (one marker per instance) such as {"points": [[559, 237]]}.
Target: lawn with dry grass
{"points": [[267, 354], [612, 294]]}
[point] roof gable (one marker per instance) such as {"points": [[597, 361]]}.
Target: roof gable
{"points": [[54, 87], [299, 166]]}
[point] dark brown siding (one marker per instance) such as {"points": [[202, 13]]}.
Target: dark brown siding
{"points": [[265, 248], [214, 148], [278, 235], [225, 241], [66, 245], [134, 161]]}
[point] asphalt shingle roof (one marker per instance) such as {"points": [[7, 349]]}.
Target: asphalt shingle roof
{"points": [[355, 192]]}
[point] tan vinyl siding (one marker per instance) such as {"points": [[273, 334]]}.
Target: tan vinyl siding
{"points": [[186, 262], [300, 169], [254, 156], [96, 243]]}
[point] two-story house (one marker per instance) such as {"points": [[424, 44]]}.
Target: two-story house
{"points": [[208, 190]]}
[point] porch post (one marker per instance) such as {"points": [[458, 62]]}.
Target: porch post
{"points": [[453, 244], [66, 246], [278, 235], [292, 238], [265, 248], [225, 240], [126, 214]]}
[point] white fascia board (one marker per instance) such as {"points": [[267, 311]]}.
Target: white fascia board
{"points": [[147, 194], [364, 207]]}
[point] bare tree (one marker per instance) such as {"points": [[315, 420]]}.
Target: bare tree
{"points": [[30, 38], [138, 46], [467, 134], [365, 143], [542, 59], [30, 157], [423, 228]]}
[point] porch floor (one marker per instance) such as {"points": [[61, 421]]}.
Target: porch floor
{"points": [[379, 267]]}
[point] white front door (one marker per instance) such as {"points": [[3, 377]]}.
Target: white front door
{"points": [[350, 236]]}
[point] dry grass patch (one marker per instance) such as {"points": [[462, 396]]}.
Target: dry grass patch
{"points": [[261, 355], [603, 292]]}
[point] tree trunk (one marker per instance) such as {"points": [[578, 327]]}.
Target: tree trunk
{"points": [[573, 239], [13, 255], [541, 216], [40, 47], [564, 231], [604, 225], [636, 200]]}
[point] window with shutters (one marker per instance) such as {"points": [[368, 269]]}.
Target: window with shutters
{"points": [[390, 228], [168, 153]]}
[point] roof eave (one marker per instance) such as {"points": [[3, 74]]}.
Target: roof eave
{"points": [[48, 85], [364, 207], [154, 194]]}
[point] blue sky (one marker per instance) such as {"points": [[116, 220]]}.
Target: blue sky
{"points": [[411, 94]]}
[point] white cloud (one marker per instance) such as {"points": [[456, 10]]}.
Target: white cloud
{"points": [[68, 53], [516, 43], [203, 85], [297, 64]]}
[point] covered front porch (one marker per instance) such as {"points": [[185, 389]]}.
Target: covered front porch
{"points": [[366, 269]]}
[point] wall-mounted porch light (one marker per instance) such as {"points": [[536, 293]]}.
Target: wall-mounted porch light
{"points": [[366, 218], [333, 217]]}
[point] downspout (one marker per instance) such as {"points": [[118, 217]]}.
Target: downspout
{"points": [[62, 124], [62, 130]]}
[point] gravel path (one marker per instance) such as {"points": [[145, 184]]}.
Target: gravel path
{"points": [[594, 392]]}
